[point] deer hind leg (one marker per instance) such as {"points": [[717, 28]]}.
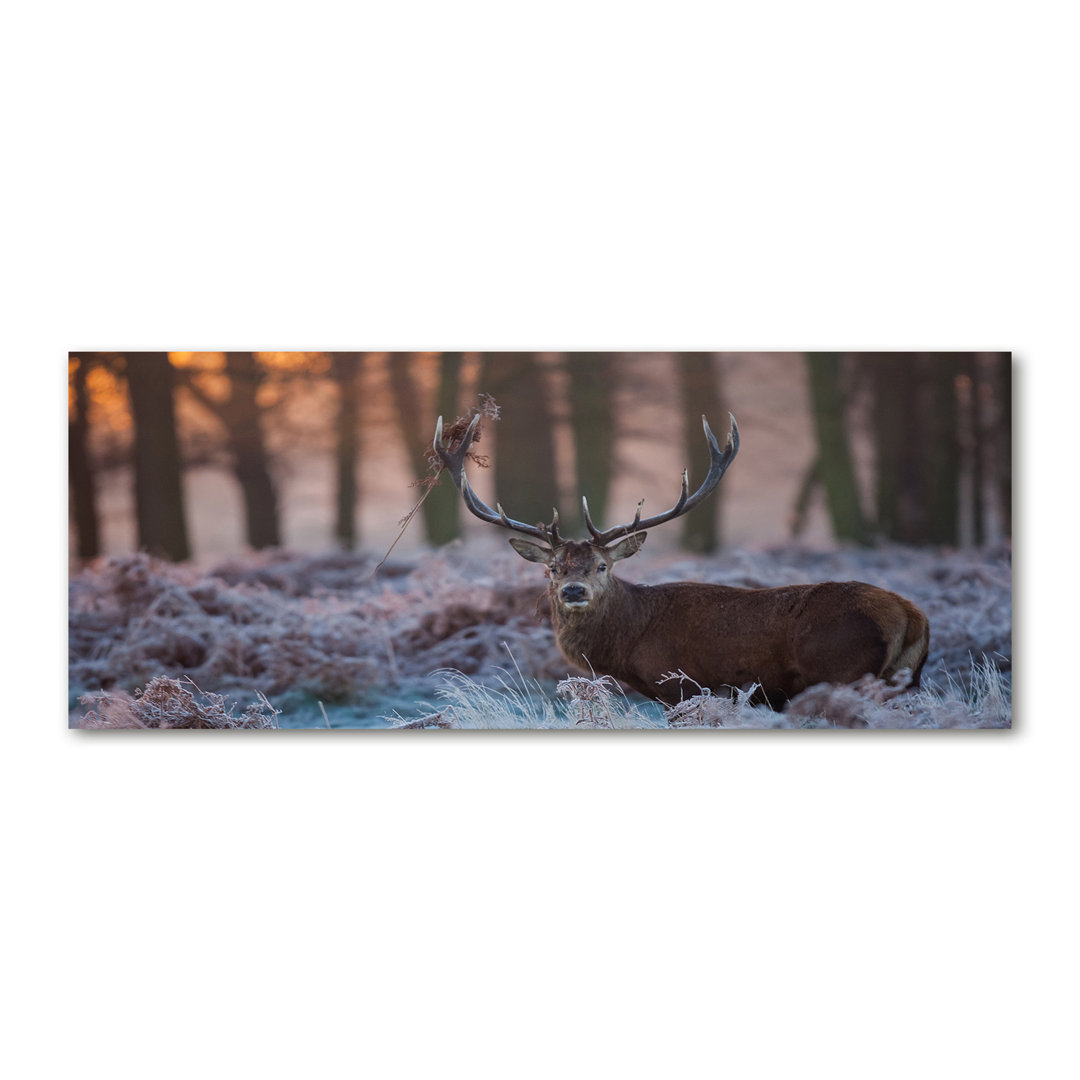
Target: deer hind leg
{"points": [[840, 647]]}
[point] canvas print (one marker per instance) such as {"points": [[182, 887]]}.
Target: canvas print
{"points": [[655, 541]]}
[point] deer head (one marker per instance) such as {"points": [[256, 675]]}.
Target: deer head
{"points": [[581, 570]]}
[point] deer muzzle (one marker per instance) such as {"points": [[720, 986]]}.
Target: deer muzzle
{"points": [[574, 594]]}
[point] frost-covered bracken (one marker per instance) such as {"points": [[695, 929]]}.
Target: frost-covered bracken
{"points": [[456, 633], [169, 703]]}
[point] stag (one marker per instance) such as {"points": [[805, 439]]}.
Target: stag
{"points": [[779, 640]]}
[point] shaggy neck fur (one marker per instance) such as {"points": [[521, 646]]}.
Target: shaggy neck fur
{"points": [[584, 639]]}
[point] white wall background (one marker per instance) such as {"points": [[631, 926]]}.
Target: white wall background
{"points": [[768, 176]]}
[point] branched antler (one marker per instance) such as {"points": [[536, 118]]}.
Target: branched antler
{"points": [[454, 460], [719, 460]]}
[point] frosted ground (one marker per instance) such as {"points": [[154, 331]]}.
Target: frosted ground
{"points": [[461, 638]]}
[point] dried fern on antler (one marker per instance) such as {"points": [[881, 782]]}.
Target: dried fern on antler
{"points": [[454, 434]]}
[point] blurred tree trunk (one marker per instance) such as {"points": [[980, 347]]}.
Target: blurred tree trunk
{"points": [[990, 404], [241, 414], [800, 511], [440, 510], [443, 505], [699, 386], [834, 469], [942, 450], [999, 376], [345, 368], [592, 420], [900, 440], [524, 457], [966, 440], [888, 382], [80, 469], [972, 447], [159, 501]]}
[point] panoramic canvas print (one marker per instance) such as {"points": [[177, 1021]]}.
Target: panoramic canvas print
{"points": [[539, 540]]}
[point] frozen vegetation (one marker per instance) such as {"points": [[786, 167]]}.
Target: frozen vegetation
{"points": [[460, 638]]}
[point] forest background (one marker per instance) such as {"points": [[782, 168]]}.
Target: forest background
{"points": [[203, 454]]}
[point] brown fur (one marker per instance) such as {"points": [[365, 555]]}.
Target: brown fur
{"points": [[784, 639]]}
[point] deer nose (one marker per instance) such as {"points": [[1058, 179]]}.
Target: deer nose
{"points": [[573, 593]]}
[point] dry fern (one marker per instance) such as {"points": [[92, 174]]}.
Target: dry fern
{"points": [[166, 703]]}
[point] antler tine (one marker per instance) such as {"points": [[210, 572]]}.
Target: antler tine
{"points": [[719, 460], [454, 460], [597, 534], [553, 528], [588, 520]]}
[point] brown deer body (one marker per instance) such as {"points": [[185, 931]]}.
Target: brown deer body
{"points": [[781, 640]]}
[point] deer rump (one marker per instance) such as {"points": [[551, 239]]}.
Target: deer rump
{"points": [[783, 640]]}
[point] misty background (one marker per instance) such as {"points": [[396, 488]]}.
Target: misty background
{"points": [[199, 455]]}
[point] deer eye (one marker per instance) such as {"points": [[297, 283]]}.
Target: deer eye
{"points": [[601, 568]]}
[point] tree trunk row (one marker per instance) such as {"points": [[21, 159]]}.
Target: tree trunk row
{"points": [[941, 428]]}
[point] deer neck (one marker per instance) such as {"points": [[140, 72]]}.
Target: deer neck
{"points": [[598, 635]]}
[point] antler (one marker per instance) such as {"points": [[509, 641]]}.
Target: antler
{"points": [[718, 463], [454, 460]]}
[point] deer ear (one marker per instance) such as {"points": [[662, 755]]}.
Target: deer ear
{"points": [[625, 548], [533, 552]]}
